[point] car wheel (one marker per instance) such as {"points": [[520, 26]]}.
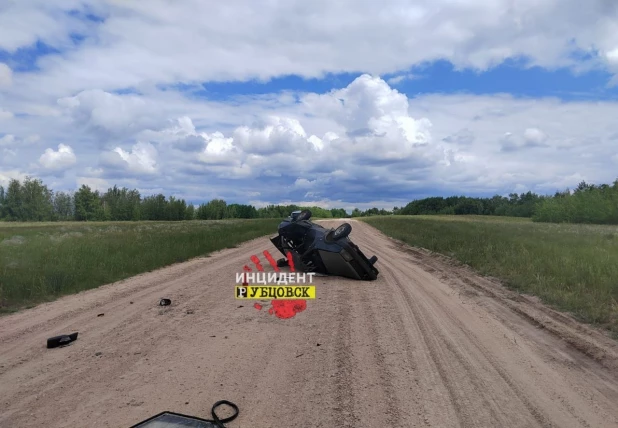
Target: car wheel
{"points": [[304, 215], [341, 232]]}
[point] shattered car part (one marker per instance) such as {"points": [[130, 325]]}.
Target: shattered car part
{"points": [[62, 340]]}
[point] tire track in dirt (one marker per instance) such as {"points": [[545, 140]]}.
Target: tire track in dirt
{"points": [[436, 302], [398, 277], [447, 368], [471, 375], [442, 366], [378, 349], [345, 401]]}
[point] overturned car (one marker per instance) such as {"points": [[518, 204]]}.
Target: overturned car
{"points": [[320, 250]]}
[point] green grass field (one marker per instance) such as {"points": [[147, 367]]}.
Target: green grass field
{"points": [[573, 268], [42, 261]]}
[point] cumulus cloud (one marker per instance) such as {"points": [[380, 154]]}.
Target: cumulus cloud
{"points": [[109, 115], [363, 124], [275, 135], [58, 159], [461, 137], [220, 150], [531, 137], [7, 140], [12, 140], [6, 75], [359, 144], [375, 118], [94, 183], [141, 160], [129, 91], [8, 175], [368, 139], [534, 136]]}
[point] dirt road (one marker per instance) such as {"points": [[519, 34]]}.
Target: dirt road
{"points": [[429, 344]]}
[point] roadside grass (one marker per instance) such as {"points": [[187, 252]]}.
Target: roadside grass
{"points": [[572, 267], [42, 261]]}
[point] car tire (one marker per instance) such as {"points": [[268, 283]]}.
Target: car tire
{"points": [[341, 232], [304, 215]]}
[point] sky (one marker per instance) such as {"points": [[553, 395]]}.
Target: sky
{"points": [[339, 104]]}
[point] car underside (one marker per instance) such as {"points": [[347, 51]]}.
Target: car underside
{"points": [[315, 248]]}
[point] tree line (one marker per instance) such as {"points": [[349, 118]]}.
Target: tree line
{"points": [[32, 200], [587, 203]]}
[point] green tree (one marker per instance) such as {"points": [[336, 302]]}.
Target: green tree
{"points": [[338, 213], [190, 212], [120, 204], [13, 201], [88, 205], [63, 206], [2, 203], [38, 200], [468, 206], [213, 210], [154, 208], [176, 209], [30, 201]]}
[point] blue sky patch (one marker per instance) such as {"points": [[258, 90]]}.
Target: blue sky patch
{"points": [[437, 77], [25, 59]]}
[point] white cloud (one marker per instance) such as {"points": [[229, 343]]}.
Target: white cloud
{"points": [[31, 139], [58, 159], [142, 159], [146, 43], [375, 117], [274, 135], [94, 183], [6, 75], [376, 143], [110, 115], [359, 144], [25, 22], [612, 56], [7, 140], [7, 175], [135, 82], [401, 78], [303, 183], [534, 136]]}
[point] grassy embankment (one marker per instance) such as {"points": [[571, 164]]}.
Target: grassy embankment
{"points": [[42, 261], [574, 268]]}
